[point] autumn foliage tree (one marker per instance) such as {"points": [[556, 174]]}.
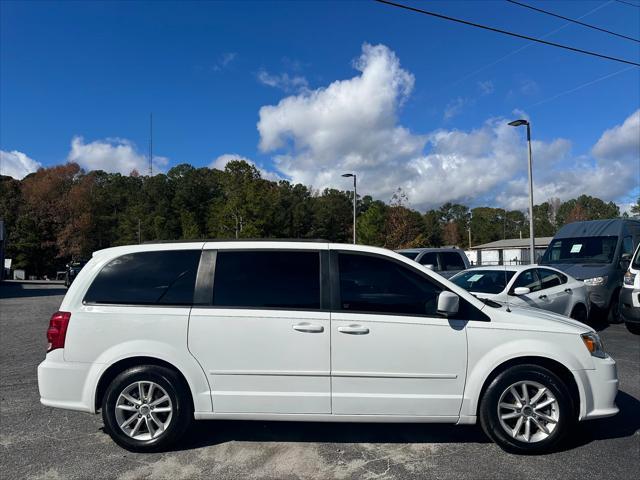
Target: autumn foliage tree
{"points": [[60, 213]]}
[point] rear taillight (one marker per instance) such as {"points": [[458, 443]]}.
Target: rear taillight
{"points": [[57, 330]]}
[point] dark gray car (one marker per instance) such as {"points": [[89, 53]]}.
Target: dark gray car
{"points": [[445, 261], [598, 252]]}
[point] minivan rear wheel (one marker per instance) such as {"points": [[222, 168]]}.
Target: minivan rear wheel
{"points": [[527, 409], [146, 408]]}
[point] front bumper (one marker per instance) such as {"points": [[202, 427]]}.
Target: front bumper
{"points": [[599, 388], [630, 305], [62, 384]]}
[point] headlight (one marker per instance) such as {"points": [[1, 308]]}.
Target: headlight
{"points": [[629, 278], [595, 281], [594, 344]]}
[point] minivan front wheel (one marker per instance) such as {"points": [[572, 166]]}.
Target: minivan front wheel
{"points": [[527, 409], [146, 408]]}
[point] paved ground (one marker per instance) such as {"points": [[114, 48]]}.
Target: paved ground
{"points": [[42, 443]]}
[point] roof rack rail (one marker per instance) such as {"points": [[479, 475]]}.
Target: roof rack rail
{"points": [[310, 240]]}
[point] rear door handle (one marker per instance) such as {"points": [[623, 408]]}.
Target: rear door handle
{"points": [[308, 328], [542, 297], [354, 330], [567, 290]]}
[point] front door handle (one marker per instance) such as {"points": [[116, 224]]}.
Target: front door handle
{"points": [[567, 290], [308, 328], [542, 297], [354, 330]]}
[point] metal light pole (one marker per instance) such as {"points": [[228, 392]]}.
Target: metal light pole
{"points": [[532, 249], [355, 196]]}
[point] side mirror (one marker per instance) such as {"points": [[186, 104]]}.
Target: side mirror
{"points": [[448, 303], [522, 291], [67, 265], [430, 266]]}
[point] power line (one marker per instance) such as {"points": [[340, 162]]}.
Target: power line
{"points": [[519, 49], [572, 20], [579, 87], [497, 30], [628, 3]]}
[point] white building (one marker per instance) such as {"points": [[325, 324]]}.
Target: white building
{"points": [[512, 251]]}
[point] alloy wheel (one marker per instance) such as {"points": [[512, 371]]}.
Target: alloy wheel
{"points": [[528, 411], [143, 410]]}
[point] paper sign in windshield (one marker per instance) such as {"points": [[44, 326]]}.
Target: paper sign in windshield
{"points": [[475, 278], [576, 247]]}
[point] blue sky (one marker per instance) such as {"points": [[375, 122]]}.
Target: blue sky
{"points": [[78, 81]]}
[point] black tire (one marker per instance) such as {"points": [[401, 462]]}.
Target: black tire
{"points": [[633, 328], [181, 405], [613, 315], [563, 410], [579, 313]]}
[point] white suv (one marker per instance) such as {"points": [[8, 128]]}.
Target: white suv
{"points": [[157, 335]]}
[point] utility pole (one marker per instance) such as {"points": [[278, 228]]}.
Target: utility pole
{"points": [[532, 242], [355, 199]]}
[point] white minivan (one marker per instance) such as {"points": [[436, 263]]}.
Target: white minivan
{"points": [[156, 335]]}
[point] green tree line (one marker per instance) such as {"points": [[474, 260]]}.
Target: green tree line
{"points": [[61, 213]]}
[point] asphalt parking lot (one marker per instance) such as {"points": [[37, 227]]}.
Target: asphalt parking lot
{"points": [[37, 442]]}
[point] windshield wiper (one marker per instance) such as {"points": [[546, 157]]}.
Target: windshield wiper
{"points": [[491, 303]]}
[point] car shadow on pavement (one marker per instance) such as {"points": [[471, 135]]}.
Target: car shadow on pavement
{"points": [[23, 290], [625, 424], [208, 433]]}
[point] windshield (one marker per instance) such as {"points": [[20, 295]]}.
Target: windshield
{"points": [[581, 250], [636, 259], [483, 281], [411, 255]]}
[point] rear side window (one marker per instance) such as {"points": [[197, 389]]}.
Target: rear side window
{"points": [[267, 279], [147, 278], [373, 284], [527, 279], [549, 278], [452, 261], [430, 258]]}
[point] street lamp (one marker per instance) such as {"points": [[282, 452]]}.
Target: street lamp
{"points": [[532, 250], [355, 196]]}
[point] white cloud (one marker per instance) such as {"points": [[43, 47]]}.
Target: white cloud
{"points": [[453, 108], [221, 162], [284, 81], [529, 87], [612, 174], [621, 142], [352, 126], [113, 155], [486, 87], [17, 164], [224, 60]]}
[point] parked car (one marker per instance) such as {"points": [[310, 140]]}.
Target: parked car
{"points": [[598, 253], [157, 335], [630, 295], [445, 261], [528, 285], [72, 270]]}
